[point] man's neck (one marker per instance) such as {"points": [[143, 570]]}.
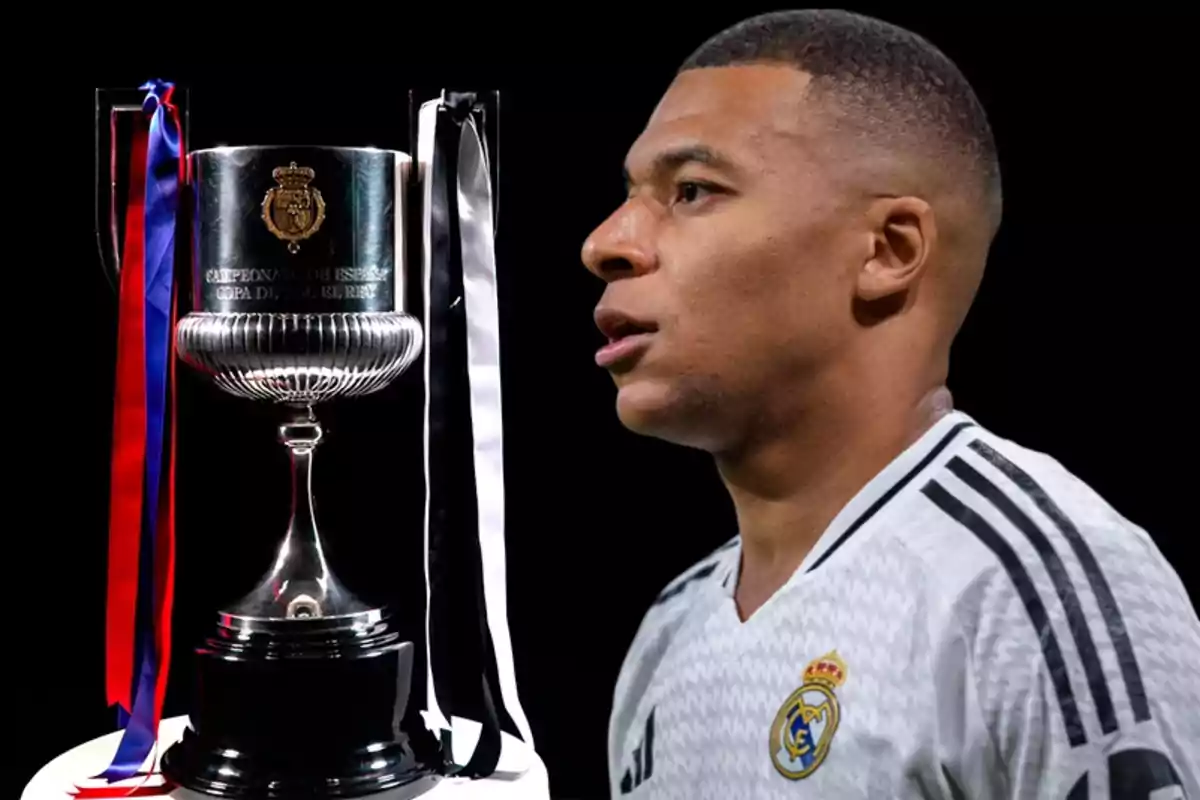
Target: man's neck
{"points": [[788, 488]]}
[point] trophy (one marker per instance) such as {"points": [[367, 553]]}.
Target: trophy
{"points": [[299, 274], [299, 294]]}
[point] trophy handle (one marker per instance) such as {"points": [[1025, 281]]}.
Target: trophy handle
{"points": [[117, 111], [484, 106]]}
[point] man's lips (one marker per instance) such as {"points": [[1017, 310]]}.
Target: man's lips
{"points": [[622, 350], [628, 336]]}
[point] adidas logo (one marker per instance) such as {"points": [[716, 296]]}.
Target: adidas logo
{"points": [[643, 759]]}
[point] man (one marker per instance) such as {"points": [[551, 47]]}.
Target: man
{"points": [[913, 606]]}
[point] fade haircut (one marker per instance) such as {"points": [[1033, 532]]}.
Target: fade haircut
{"points": [[896, 88]]}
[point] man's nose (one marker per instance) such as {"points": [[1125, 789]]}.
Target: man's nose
{"points": [[622, 246]]}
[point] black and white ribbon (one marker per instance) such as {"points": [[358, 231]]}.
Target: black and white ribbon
{"points": [[471, 681]]}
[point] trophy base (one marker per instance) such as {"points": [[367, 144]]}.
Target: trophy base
{"points": [[299, 710]]}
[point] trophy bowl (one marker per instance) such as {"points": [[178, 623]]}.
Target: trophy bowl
{"points": [[298, 285], [299, 359]]}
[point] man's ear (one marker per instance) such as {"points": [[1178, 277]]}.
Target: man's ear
{"points": [[904, 235]]}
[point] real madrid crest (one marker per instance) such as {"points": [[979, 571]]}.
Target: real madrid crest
{"points": [[293, 210], [806, 722]]}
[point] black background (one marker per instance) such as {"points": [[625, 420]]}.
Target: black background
{"points": [[1076, 346]]}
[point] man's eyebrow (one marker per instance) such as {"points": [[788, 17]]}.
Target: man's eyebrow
{"points": [[672, 159]]}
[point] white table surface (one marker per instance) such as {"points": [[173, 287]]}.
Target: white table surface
{"points": [[57, 779]]}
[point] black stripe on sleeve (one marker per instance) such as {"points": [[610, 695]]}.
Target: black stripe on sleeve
{"points": [[697, 575], [700, 573], [956, 791], [1057, 667], [890, 493], [1076, 620], [1091, 568]]}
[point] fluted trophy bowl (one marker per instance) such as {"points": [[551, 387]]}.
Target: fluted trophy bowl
{"points": [[298, 279], [297, 358]]}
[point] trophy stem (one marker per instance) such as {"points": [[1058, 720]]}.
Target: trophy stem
{"points": [[301, 434], [300, 584]]}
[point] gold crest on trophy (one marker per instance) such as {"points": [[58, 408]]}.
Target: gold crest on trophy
{"points": [[293, 210]]}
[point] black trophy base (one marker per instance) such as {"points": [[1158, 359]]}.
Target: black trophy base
{"points": [[295, 711]]}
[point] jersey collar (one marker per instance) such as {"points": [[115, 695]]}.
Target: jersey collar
{"points": [[874, 497]]}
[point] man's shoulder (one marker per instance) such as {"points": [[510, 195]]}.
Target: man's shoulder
{"points": [[669, 608], [713, 567], [994, 511], [1045, 580], [660, 626], [1072, 623]]}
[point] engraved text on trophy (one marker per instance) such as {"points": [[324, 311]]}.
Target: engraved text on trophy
{"points": [[316, 283], [293, 210]]}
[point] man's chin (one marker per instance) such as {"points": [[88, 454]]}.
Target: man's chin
{"points": [[656, 410]]}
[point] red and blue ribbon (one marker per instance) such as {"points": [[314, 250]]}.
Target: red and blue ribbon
{"points": [[141, 517]]}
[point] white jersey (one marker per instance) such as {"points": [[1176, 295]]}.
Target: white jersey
{"points": [[976, 623]]}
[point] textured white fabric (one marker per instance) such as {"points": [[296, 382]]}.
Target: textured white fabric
{"points": [[947, 666]]}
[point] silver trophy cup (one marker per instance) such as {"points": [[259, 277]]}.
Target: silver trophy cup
{"points": [[298, 284], [295, 328]]}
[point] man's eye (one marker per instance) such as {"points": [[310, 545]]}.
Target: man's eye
{"points": [[691, 191]]}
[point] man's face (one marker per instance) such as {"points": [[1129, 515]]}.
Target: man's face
{"points": [[731, 265]]}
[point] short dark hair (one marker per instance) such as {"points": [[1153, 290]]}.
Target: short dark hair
{"points": [[894, 80]]}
